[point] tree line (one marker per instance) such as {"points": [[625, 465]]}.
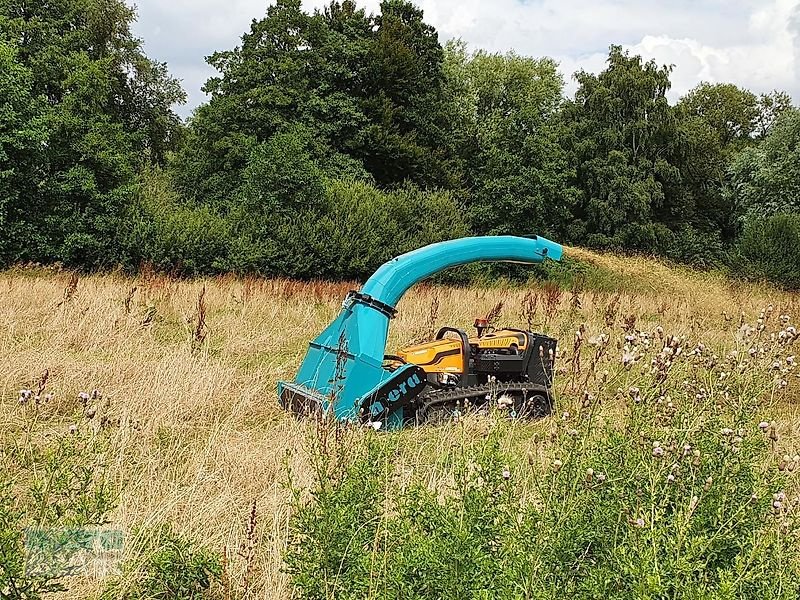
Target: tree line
{"points": [[336, 139]]}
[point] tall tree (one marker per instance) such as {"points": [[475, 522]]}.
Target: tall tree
{"points": [[403, 96], [766, 178], [505, 127], [622, 133], [368, 87], [107, 110]]}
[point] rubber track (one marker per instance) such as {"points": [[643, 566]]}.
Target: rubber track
{"points": [[465, 393]]}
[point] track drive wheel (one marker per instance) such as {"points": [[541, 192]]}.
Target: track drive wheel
{"points": [[531, 406]]}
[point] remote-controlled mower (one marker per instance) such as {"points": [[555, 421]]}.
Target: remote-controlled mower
{"points": [[347, 372]]}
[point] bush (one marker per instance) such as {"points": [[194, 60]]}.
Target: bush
{"points": [[346, 234], [166, 566], [170, 235], [770, 249], [52, 493]]}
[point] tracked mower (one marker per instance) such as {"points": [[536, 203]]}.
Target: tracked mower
{"points": [[347, 373]]}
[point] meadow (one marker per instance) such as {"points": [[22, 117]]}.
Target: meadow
{"points": [[149, 403]]}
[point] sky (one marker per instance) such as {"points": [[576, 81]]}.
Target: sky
{"points": [[752, 43]]}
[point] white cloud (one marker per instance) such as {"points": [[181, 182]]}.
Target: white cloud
{"points": [[753, 43]]}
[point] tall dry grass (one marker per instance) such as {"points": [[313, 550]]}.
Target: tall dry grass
{"points": [[188, 385]]}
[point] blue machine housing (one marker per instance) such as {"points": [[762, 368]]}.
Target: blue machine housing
{"points": [[344, 364]]}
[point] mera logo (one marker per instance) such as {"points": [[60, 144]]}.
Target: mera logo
{"points": [[402, 389], [396, 392]]}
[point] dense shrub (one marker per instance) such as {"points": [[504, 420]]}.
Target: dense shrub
{"points": [[350, 229], [166, 566], [161, 230], [770, 249], [53, 494]]}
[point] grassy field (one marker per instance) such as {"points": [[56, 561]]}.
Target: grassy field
{"points": [[186, 373]]}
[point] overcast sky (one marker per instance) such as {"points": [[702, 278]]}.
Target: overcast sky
{"points": [[753, 43]]}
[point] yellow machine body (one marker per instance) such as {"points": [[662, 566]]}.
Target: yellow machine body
{"points": [[438, 356], [446, 355]]}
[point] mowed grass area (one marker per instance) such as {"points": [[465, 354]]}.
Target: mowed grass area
{"points": [[189, 409]]}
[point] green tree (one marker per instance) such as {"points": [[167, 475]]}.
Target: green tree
{"points": [[368, 87], [504, 110], [717, 122], [621, 140], [22, 137], [403, 99], [766, 178], [107, 113]]}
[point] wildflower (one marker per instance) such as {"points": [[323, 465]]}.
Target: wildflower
{"points": [[601, 477], [599, 340], [790, 361], [506, 474], [73, 429], [639, 522], [557, 465], [658, 451], [505, 401], [763, 426], [589, 474], [83, 397], [687, 449], [629, 357], [564, 416], [572, 432], [726, 431]]}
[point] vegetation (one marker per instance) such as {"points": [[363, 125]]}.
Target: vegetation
{"points": [[212, 484], [319, 124]]}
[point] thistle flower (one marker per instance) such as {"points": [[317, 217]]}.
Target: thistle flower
{"points": [[506, 474], [658, 451], [763, 426]]}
